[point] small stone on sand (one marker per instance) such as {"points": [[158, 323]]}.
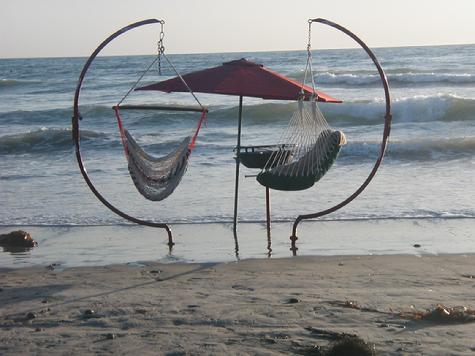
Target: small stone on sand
{"points": [[293, 301], [30, 316], [17, 238], [110, 336]]}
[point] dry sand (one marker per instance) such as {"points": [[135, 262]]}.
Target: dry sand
{"points": [[251, 307]]}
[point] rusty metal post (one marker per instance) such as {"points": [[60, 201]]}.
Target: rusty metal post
{"points": [[268, 211], [238, 162]]}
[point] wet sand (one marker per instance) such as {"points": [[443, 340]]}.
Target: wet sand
{"points": [[77, 246], [257, 306]]}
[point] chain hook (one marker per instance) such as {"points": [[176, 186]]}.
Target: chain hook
{"points": [[160, 47], [309, 43], [308, 67]]}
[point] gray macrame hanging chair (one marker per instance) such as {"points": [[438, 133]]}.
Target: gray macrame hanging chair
{"points": [[156, 178]]}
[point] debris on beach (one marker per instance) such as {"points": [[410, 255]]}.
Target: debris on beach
{"points": [[442, 314], [328, 334], [313, 350], [350, 346], [352, 304], [30, 316], [110, 336], [17, 239], [292, 301], [341, 344], [91, 314], [52, 266]]}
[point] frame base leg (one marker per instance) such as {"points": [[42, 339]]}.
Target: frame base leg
{"points": [[293, 247], [170, 238]]}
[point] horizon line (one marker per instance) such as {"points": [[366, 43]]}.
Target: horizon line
{"points": [[231, 52]]}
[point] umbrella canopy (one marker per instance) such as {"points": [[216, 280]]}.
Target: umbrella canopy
{"points": [[243, 78]]}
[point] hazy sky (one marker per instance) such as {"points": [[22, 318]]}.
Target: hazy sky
{"points": [[49, 28]]}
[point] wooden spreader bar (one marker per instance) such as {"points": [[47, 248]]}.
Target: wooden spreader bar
{"points": [[161, 107]]}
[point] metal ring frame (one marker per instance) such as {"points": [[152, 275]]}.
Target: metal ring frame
{"points": [[384, 141], [76, 136]]}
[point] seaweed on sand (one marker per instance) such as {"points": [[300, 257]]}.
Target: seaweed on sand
{"points": [[442, 315], [439, 314], [344, 344]]}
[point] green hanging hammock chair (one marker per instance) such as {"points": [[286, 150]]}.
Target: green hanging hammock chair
{"points": [[313, 146]]}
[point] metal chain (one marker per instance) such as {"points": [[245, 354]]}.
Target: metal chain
{"points": [[160, 47], [309, 44], [309, 57]]}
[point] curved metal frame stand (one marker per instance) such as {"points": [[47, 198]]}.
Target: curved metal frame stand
{"points": [[76, 137], [387, 129]]}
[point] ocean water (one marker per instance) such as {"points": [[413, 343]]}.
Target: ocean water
{"points": [[427, 172]]}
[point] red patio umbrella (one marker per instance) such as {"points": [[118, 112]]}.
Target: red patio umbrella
{"points": [[242, 78]]}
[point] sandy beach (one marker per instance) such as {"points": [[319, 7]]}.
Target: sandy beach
{"points": [[250, 307]]}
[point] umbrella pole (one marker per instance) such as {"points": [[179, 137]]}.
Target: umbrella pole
{"points": [[238, 161]]}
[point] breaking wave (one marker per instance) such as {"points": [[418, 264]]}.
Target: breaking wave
{"points": [[411, 150], [445, 108], [58, 140], [419, 108], [49, 141], [44, 140], [8, 83], [358, 79]]}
